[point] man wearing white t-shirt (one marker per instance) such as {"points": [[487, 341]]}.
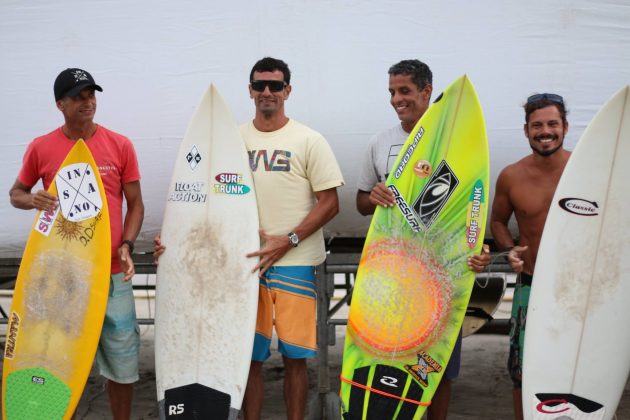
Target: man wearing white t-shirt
{"points": [[410, 87], [296, 177]]}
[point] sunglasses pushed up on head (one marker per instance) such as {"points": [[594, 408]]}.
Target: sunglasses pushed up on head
{"points": [[274, 85], [548, 96]]}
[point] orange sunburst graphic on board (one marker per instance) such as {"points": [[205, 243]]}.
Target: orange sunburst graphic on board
{"points": [[402, 303]]}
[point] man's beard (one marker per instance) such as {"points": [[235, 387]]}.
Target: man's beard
{"points": [[547, 152]]}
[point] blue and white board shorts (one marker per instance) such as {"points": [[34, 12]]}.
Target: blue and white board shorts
{"points": [[119, 346]]}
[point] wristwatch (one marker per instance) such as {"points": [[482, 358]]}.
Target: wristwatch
{"points": [[129, 244], [293, 239]]}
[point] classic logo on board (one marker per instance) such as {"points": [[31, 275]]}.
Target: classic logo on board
{"points": [[426, 365], [579, 206], [435, 194], [230, 183], [473, 215], [188, 192], [405, 159], [193, 157], [404, 208], [79, 197], [12, 332]]}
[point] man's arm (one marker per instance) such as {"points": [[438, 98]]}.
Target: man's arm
{"points": [[276, 246], [502, 210], [131, 228], [379, 196], [22, 198]]}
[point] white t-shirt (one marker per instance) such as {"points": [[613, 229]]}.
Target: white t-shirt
{"points": [[288, 166], [380, 156]]}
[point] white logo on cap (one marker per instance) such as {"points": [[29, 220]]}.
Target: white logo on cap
{"points": [[79, 75]]}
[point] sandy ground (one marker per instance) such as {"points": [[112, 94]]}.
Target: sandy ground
{"points": [[482, 392]]}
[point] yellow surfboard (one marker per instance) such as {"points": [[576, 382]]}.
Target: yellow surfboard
{"points": [[60, 297], [413, 282]]}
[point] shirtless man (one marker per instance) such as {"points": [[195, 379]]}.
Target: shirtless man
{"points": [[526, 189]]}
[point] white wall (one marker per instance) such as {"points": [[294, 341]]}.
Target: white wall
{"points": [[154, 59]]}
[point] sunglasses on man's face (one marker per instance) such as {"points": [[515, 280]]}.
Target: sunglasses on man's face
{"points": [[274, 85], [549, 96]]}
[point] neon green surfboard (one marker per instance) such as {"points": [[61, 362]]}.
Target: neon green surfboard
{"points": [[413, 281]]}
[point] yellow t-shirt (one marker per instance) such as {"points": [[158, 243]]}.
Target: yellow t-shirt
{"points": [[288, 166]]}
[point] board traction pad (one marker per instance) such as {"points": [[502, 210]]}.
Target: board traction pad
{"points": [[36, 393]]}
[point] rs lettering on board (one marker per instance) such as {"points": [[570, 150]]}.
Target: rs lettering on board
{"points": [[175, 409]]}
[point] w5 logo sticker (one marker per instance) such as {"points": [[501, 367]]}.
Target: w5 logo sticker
{"points": [[435, 194]]}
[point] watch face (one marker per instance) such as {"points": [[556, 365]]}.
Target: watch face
{"points": [[293, 238]]}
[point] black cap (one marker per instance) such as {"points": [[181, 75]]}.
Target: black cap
{"points": [[71, 82]]}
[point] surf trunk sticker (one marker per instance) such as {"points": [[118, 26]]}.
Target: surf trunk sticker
{"points": [[77, 188], [230, 183], [475, 209]]}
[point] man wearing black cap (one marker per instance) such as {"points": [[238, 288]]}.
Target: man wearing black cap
{"points": [[117, 354]]}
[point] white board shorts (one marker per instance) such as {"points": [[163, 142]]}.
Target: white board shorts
{"points": [[119, 346]]}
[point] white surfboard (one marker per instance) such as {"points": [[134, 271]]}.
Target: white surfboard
{"points": [[206, 294], [577, 338]]}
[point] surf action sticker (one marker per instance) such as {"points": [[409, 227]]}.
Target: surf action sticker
{"points": [[188, 192], [77, 188]]}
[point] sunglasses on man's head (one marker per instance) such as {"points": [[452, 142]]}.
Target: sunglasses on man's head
{"points": [[549, 96], [274, 85]]}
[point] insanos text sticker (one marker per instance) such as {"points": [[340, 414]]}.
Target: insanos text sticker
{"points": [[79, 197]]}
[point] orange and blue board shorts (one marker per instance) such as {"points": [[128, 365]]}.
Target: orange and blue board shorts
{"points": [[288, 301]]}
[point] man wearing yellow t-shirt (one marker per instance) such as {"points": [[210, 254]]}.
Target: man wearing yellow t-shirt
{"points": [[296, 177]]}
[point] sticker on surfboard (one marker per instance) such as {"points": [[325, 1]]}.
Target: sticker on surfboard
{"points": [[476, 202], [566, 406], [230, 183], [579, 206], [193, 157], [189, 192], [77, 189], [435, 194]]}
